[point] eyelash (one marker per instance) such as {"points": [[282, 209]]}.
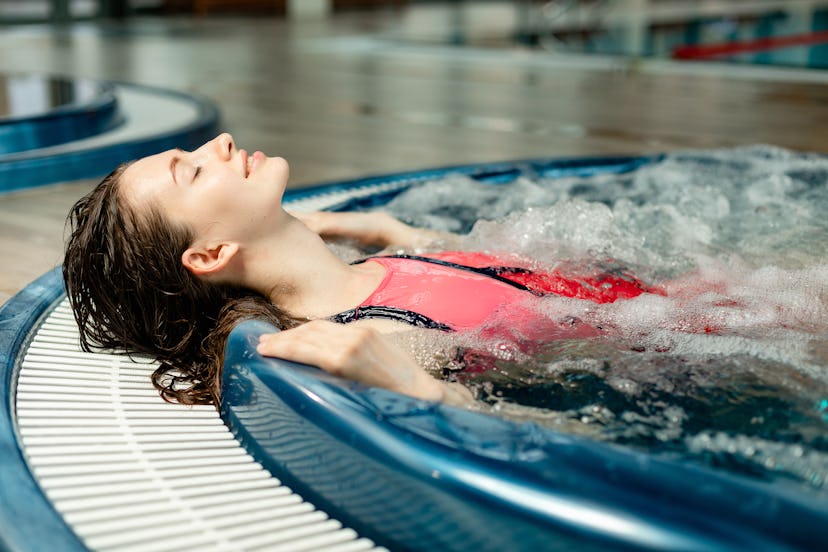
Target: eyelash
{"points": [[197, 172]]}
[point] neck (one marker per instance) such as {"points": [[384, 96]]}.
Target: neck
{"points": [[299, 274]]}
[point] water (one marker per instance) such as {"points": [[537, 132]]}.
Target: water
{"points": [[730, 368]]}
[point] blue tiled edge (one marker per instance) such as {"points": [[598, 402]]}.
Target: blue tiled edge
{"points": [[28, 521]]}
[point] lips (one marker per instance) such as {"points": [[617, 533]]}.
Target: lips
{"points": [[250, 161], [254, 160], [245, 162]]}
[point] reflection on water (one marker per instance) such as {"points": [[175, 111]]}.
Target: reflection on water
{"points": [[730, 368]]}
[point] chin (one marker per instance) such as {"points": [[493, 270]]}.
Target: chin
{"points": [[279, 169], [282, 166], [280, 173]]}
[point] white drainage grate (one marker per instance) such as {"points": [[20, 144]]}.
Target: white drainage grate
{"points": [[130, 472]]}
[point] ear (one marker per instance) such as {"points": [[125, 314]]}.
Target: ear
{"points": [[203, 261]]}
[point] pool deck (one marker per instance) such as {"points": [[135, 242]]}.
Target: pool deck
{"points": [[345, 96]]}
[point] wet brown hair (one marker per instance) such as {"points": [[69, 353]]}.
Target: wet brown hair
{"points": [[130, 292]]}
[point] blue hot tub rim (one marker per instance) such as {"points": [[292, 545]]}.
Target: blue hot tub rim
{"points": [[744, 513]]}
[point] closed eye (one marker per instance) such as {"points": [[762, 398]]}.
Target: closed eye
{"points": [[196, 173]]}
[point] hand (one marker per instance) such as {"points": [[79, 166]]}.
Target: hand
{"points": [[373, 228], [359, 353]]}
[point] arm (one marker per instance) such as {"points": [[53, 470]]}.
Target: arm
{"points": [[374, 228], [362, 354]]}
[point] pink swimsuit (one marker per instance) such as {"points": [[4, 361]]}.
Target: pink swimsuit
{"points": [[461, 291]]}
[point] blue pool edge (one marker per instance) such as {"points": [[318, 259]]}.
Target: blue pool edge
{"points": [[539, 484], [32, 169], [29, 521]]}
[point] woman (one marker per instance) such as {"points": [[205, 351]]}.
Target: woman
{"points": [[169, 252]]}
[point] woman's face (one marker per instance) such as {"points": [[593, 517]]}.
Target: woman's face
{"points": [[219, 191]]}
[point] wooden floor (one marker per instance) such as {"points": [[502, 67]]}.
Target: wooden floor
{"points": [[338, 99]]}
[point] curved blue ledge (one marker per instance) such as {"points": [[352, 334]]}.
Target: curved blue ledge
{"points": [[62, 124], [28, 522], [99, 154], [414, 475]]}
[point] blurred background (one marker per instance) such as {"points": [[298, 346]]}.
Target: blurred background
{"points": [[346, 88]]}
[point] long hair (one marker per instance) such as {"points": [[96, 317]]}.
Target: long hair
{"points": [[130, 292]]}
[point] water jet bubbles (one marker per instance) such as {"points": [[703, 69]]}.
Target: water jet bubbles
{"points": [[624, 385], [456, 202], [737, 238]]}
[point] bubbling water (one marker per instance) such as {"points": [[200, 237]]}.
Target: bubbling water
{"points": [[729, 367]]}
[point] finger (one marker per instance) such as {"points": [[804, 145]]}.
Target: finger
{"points": [[293, 348], [321, 343]]}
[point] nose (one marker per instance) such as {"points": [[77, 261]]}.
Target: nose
{"points": [[224, 146], [221, 148]]}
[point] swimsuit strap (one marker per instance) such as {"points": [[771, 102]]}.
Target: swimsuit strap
{"points": [[390, 313], [493, 272]]}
